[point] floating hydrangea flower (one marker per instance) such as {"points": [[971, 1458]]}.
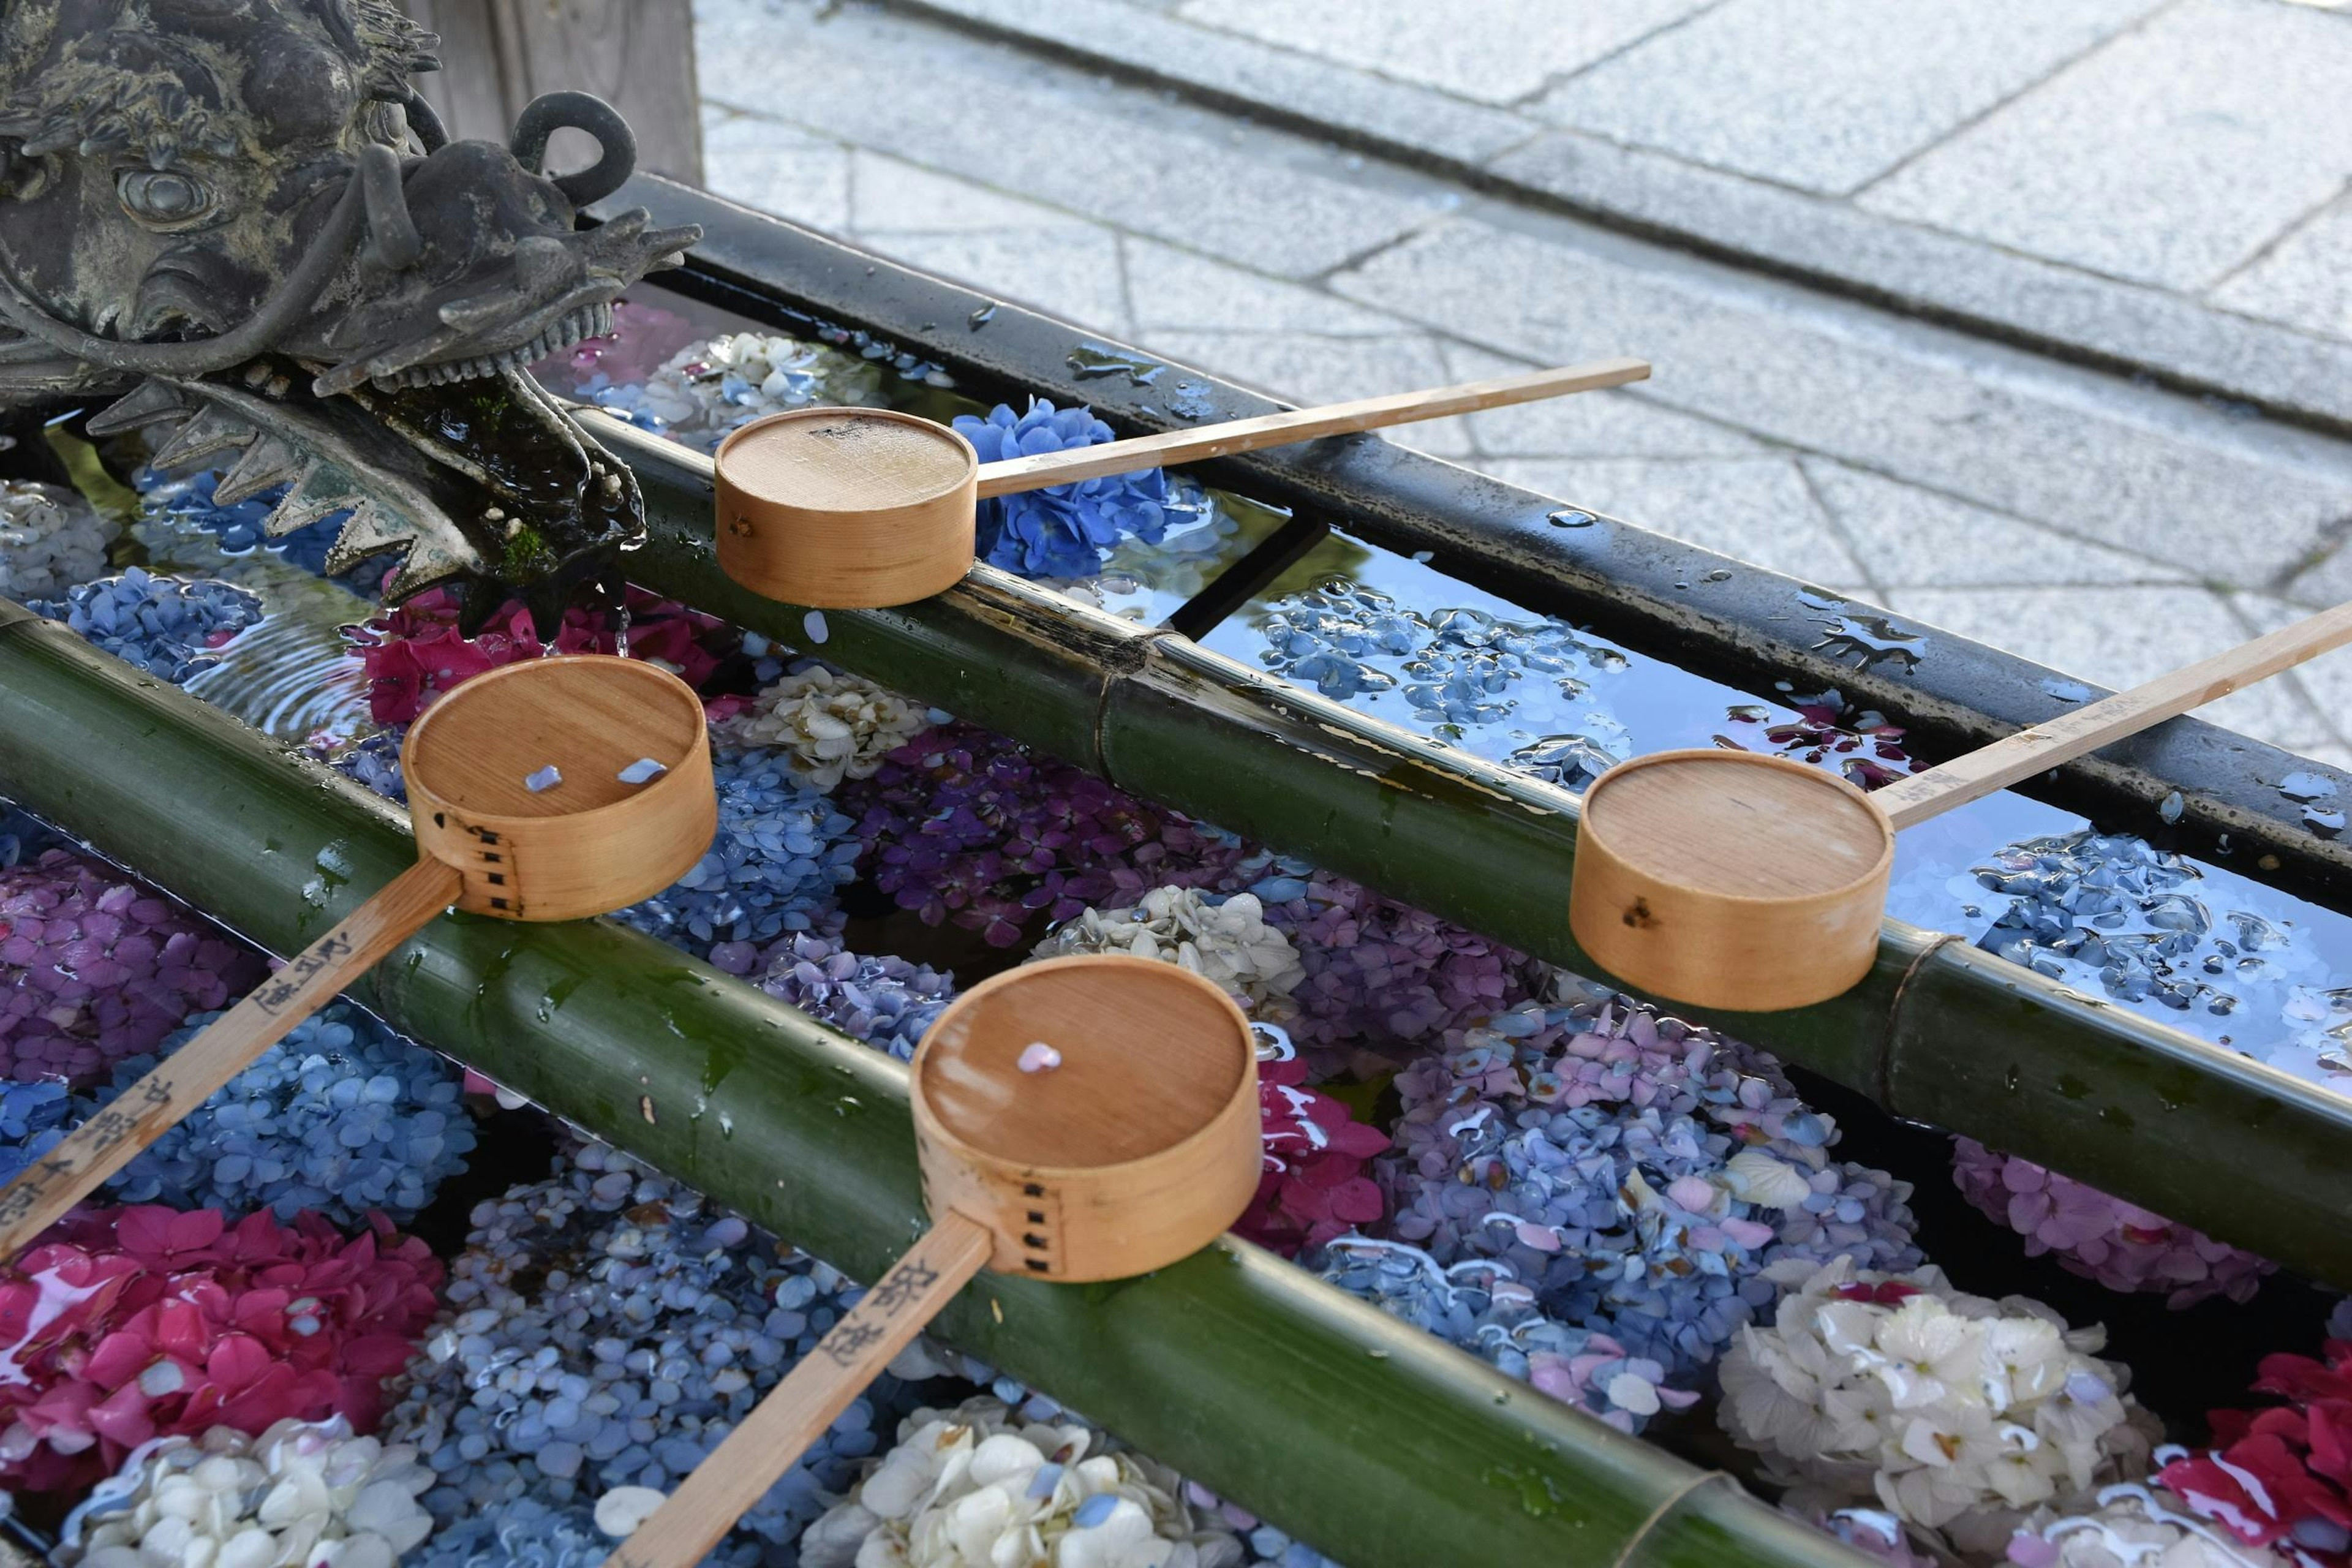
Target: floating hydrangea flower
{"points": [[608, 1328], [169, 627], [1478, 1305], [1062, 532], [524, 1532], [884, 1000], [1381, 974], [95, 967], [2281, 1477], [705, 390], [1265, 1544], [780, 851], [375, 762], [1862, 748], [50, 539], [832, 726], [34, 1120], [966, 824], [1957, 1414], [131, 1323], [412, 652], [1638, 1174], [1315, 1185], [2130, 1525], [302, 1495], [1223, 938], [2109, 906], [342, 1116], [1464, 673], [977, 1485], [243, 528], [2120, 1244]]}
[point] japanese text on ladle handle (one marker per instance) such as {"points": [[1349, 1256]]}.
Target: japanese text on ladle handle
{"points": [[740, 1471], [110, 1140], [1047, 468], [2070, 735]]}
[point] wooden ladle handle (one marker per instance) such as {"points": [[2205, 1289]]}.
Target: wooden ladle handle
{"points": [[739, 1472], [109, 1141], [1047, 468], [2071, 735]]}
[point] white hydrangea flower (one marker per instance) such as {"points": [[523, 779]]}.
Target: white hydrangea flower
{"points": [[304, 1494], [979, 1487], [2134, 1525], [50, 539], [1954, 1413], [1228, 942], [833, 727], [711, 387]]}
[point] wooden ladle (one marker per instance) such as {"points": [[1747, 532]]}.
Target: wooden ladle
{"points": [[1729, 879], [1080, 1119], [598, 837], [863, 508]]}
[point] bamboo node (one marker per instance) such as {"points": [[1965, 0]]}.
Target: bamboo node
{"points": [[1666, 1505]]}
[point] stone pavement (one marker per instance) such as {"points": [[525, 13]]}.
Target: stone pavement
{"points": [[2091, 521]]}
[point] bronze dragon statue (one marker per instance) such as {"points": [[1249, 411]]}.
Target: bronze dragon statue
{"points": [[237, 224]]}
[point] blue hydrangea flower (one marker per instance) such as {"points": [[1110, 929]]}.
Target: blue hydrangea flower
{"points": [[375, 762], [884, 1000], [608, 1326], [243, 529], [34, 1119], [343, 1116], [780, 851], [1062, 532], [1480, 1306], [1640, 1175], [522, 1533], [166, 626]]}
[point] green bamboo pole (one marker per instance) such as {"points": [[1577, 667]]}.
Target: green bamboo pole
{"points": [[1937, 1032], [1383, 1445]]}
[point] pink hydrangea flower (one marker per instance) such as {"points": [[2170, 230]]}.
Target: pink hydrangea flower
{"points": [[2122, 1246], [95, 967], [413, 653], [124, 1324], [1315, 1186]]}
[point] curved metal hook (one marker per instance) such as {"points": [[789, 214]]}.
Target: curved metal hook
{"points": [[615, 142]]}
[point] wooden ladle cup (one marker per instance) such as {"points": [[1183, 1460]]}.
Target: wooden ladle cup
{"points": [[587, 845], [1080, 1119], [1729, 879], [863, 508]]}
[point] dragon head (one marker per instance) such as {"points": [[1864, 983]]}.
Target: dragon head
{"points": [[213, 194]]}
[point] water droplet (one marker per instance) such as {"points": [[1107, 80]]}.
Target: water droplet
{"points": [[2172, 807], [1571, 518], [981, 317], [1094, 361]]}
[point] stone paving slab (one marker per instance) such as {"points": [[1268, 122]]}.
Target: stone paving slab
{"points": [[1503, 52], [2302, 280], [1941, 412], [2296, 361], [2171, 157], [1826, 95], [914, 94]]}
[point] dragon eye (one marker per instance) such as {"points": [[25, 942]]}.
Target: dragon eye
{"points": [[163, 195]]}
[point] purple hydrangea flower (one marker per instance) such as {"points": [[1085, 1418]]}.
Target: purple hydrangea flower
{"points": [[2120, 1244], [1063, 532], [94, 968], [964, 825], [884, 1000]]}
